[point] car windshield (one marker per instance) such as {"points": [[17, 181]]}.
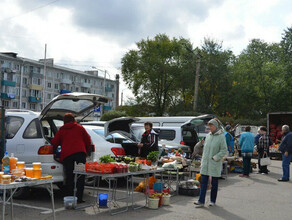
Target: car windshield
{"points": [[137, 132], [114, 137]]}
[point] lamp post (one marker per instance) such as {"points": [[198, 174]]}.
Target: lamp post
{"points": [[122, 96]]}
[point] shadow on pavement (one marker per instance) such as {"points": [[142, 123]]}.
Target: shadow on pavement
{"points": [[223, 213]]}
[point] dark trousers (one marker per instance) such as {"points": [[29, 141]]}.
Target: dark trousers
{"points": [[246, 165], [204, 186], [262, 169], [68, 165]]}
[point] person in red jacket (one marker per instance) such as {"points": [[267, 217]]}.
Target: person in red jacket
{"points": [[75, 143]]}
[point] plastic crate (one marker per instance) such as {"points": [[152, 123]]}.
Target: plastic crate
{"points": [[188, 192]]}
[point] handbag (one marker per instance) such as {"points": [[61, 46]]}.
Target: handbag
{"points": [[265, 161]]}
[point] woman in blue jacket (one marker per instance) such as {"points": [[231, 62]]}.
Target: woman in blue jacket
{"points": [[246, 143]]}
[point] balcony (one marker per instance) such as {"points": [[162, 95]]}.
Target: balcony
{"points": [[86, 85], [7, 96], [35, 87], [8, 83], [108, 89], [34, 99], [66, 81], [64, 91]]}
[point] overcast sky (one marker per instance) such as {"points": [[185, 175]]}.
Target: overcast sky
{"points": [[85, 33]]}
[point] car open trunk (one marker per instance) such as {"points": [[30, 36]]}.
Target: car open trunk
{"points": [[79, 104]]}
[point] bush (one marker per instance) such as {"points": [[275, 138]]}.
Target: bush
{"points": [[111, 115]]}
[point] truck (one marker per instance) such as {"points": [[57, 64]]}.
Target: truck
{"points": [[275, 121]]}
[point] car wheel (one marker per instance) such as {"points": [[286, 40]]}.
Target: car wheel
{"points": [[22, 193]]}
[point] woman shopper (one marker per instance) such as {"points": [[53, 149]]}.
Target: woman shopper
{"points": [[214, 150], [149, 140], [263, 149], [75, 143], [246, 143]]}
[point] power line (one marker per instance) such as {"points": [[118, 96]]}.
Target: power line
{"points": [[34, 9]]}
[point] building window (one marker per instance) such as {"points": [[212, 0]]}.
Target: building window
{"points": [[14, 104], [39, 81], [23, 105], [32, 106], [25, 69], [77, 89], [24, 92], [5, 103], [56, 86], [49, 85], [25, 81], [49, 96]]}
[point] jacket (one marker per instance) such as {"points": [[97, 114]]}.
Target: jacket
{"points": [[150, 140], [246, 142], [286, 144], [215, 148], [264, 143], [73, 138]]}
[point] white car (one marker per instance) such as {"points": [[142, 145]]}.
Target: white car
{"points": [[106, 145], [28, 133]]}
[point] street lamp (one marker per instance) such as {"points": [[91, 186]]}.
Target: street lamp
{"points": [[122, 96]]}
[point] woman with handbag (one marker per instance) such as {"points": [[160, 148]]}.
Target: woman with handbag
{"points": [[215, 149], [263, 149]]}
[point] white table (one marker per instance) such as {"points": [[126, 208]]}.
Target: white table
{"points": [[48, 183], [112, 189]]}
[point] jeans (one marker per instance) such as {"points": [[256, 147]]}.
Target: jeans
{"points": [[286, 166], [246, 163], [68, 165], [204, 186]]}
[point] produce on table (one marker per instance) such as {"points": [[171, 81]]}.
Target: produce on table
{"points": [[106, 159], [153, 156]]}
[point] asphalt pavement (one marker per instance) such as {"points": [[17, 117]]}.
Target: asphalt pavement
{"points": [[257, 197]]}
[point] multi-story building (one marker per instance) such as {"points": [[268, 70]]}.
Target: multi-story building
{"points": [[25, 84]]}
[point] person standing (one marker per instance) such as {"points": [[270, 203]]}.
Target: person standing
{"points": [[286, 149], [246, 143], [198, 149], [149, 140], [263, 149], [215, 149], [229, 139], [75, 143]]}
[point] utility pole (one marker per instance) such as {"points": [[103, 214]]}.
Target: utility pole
{"points": [[198, 64], [44, 79]]}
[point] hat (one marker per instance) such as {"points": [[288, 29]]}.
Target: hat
{"points": [[214, 122], [227, 127]]}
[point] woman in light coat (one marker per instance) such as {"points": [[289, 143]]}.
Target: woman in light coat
{"points": [[214, 150]]}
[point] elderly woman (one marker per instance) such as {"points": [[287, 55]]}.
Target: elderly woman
{"points": [[214, 150]]}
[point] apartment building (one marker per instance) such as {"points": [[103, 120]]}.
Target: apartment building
{"points": [[25, 86]]}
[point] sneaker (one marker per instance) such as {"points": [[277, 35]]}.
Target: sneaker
{"points": [[198, 204], [211, 203]]}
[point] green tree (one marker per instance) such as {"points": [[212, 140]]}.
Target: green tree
{"points": [[153, 71]]}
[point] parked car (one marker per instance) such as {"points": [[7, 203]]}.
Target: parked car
{"points": [[28, 133], [125, 126]]}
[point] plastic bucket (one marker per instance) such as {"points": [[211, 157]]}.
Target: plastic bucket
{"points": [[153, 203], [165, 199], [102, 198], [158, 187], [70, 202]]}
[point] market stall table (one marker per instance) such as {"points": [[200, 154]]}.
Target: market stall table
{"points": [[112, 189], [12, 187]]}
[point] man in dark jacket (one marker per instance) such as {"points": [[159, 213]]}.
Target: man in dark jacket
{"points": [[286, 149], [149, 141], [75, 143]]}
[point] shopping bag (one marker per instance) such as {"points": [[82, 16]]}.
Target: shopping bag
{"points": [[265, 161]]}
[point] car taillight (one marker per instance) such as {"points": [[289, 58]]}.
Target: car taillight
{"points": [[182, 143], [118, 151], [48, 149]]}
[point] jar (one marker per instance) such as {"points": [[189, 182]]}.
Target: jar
{"points": [[29, 172], [6, 179], [1, 174], [37, 165], [37, 173], [20, 165]]}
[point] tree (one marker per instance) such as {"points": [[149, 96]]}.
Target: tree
{"points": [[154, 70]]}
